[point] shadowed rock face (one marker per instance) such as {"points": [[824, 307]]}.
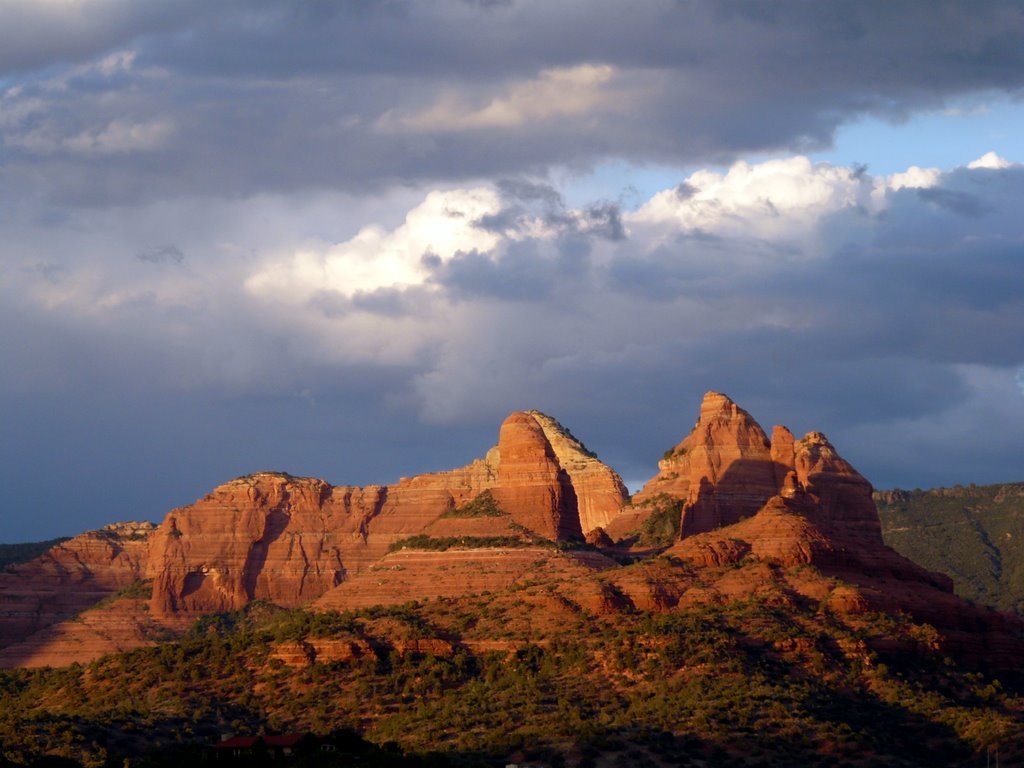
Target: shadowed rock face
{"points": [[600, 492]]}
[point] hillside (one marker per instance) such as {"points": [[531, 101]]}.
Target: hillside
{"points": [[12, 554], [477, 682], [975, 534]]}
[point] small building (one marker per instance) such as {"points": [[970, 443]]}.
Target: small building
{"points": [[247, 746]]}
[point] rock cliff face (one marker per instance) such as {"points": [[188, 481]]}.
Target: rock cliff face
{"points": [[112, 625], [532, 486], [70, 578], [722, 470], [600, 492], [289, 540], [750, 502], [726, 469], [269, 536]]}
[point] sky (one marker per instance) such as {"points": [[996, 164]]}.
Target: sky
{"points": [[345, 240]]}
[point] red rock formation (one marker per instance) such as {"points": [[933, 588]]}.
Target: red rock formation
{"points": [[600, 492], [70, 578], [322, 650], [289, 540], [726, 470], [110, 626], [532, 486], [411, 574], [755, 515], [844, 503], [268, 535], [723, 470]]}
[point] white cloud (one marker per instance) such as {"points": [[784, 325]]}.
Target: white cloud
{"points": [[441, 226], [914, 178], [782, 205], [989, 160], [772, 197]]}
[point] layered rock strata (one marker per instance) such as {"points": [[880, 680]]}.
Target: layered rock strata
{"points": [[411, 574], [289, 540], [71, 577], [112, 625]]}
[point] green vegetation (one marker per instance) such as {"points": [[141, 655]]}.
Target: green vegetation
{"points": [[137, 590], [975, 534], [444, 543], [567, 432], [741, 684], [661, 529], [484, 505], [673, 452], [12, 554]]}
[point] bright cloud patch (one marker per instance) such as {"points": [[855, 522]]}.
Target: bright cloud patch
{"points": [[914, 178], [444, 224], [990, 160], [761, 215], [776, 199]]}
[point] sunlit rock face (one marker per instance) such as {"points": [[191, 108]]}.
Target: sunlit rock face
{"points": [[289, 540], [727, 469], [70, 577]]}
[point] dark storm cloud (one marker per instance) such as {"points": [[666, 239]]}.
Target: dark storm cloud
{"points": [[162, 255], [961, 203], [38, 34], [524, 272], [275, 96]]}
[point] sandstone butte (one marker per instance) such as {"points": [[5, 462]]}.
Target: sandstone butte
{"points": [[755, 512]]}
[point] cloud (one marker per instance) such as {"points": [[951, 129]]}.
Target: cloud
{"points": [[444, 224], [989, 160], [553, 94], [777, 200], [914, 178], [895, 328], [162, 255], [110, 102], [961, 203]]}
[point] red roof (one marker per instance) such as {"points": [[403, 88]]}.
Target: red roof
{"points": [[248, 742], [236, 742]]}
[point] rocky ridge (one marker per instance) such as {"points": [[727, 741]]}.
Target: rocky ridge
{"points": [[779, 519]]}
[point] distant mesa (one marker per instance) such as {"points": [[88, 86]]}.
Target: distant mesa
{"points": [[733, 513]]}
